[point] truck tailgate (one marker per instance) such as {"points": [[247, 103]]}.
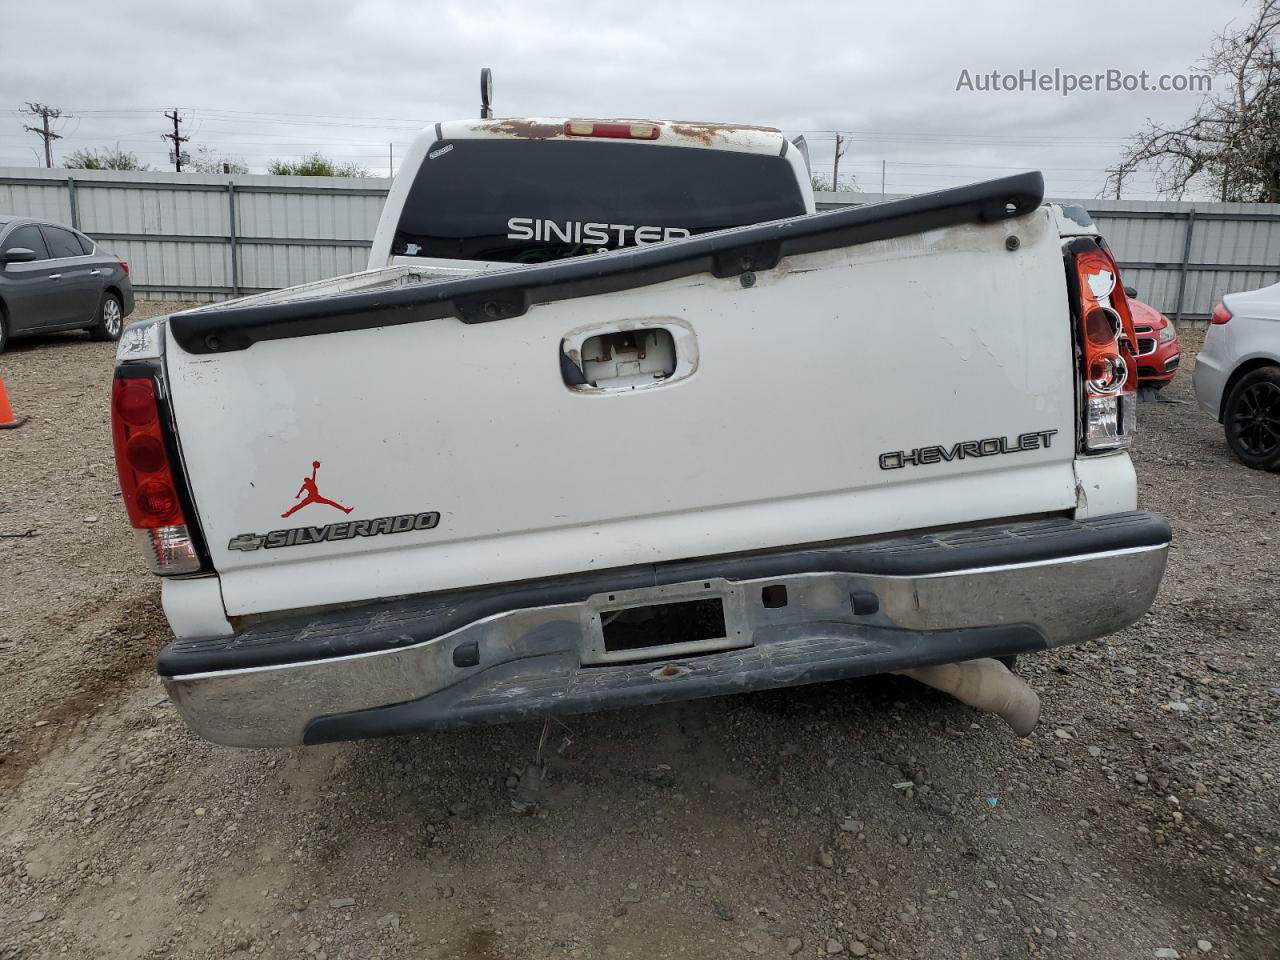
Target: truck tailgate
{"points": [[907, 382]]}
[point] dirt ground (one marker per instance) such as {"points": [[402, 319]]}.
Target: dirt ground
{"points": [[1144, 813]]}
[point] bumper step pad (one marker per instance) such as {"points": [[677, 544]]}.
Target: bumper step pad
{"points": [[530, 689]]}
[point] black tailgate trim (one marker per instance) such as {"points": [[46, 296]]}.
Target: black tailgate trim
{"points": [[503, 294], [386, 625]]}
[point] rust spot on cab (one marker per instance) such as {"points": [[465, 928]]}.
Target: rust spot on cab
{"points": [[706, 131], [524, 129]]}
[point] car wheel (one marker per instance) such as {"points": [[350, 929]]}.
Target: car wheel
{"points": [[4, 331], [1252, 419], [110, 319]]}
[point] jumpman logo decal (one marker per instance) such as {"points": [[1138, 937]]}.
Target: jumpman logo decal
{"points": [[312, 494]]}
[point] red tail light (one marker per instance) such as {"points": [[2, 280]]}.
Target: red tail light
{"points": [[124, 265], [147, 480], [621, 131], [1108, 348], [1220, 314]]}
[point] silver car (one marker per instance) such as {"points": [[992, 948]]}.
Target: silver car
{"points": [[1237, 375], [55, 278]]}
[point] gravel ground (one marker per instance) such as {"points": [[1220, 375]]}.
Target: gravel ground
{"points": [[1143, 814]]}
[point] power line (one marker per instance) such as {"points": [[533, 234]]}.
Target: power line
{"points": [[958, 137]]}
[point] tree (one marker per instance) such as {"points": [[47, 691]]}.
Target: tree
{"points": [[1231, 144], [822, 182], [208, 160], [104, 159], [316, 165]]}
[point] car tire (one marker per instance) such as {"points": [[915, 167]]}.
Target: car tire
{"points": [[4, 330], [110, 319], [1251, 419]]}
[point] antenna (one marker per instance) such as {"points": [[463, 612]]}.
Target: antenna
{"points": [[486, 93]]}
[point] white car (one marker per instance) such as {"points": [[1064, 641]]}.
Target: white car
{"points": [[1237, 375]]}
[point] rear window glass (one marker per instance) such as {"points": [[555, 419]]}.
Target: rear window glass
{"points": [[522, 201]]}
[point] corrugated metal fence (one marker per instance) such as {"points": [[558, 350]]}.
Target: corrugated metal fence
{"points": [[208, 236], [1181, 257]]}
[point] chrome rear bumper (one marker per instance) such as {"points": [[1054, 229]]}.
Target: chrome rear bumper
{"points": [[315, 680]]}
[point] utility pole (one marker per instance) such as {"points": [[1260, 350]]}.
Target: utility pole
{"points": [[835, 167], [1119, 173], [45, 113], [177, 138], [391, 159]]}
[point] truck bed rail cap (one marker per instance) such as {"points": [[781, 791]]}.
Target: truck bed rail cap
{"points": [[505, 294]]}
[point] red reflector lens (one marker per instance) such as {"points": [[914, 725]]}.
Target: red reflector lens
{"points": [[1220, 314], [124, 265], [1100, 327], [135, 402], [142, 461], [145, 453], [157, 502]]}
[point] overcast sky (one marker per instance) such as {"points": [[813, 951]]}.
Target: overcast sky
{"points": [[259, 80]]}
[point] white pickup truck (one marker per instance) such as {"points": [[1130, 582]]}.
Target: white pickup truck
{"points": [[615, 418]]}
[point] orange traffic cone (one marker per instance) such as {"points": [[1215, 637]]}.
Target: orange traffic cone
{"points": [[7, 420]]}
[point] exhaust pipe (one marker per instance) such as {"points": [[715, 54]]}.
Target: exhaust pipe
{"points": [[985, 685]]}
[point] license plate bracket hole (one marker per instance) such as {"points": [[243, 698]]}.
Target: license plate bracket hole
{"points": [[663, 624]]}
